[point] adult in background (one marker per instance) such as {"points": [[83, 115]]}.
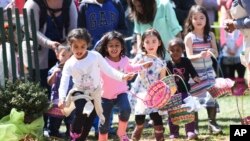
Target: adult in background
{"points": [[157, 14], [53, 19], [232, 45], [101, 16], [181, 8], [240, 12]]}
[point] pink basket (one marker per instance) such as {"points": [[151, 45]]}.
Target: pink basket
{"points": [[219, 92], [158, 95], [55, 111]]}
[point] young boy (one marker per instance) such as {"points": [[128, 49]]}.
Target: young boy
{"points": [[54, 77]]}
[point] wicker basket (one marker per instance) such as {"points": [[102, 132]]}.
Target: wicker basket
{"points": [[55, 111], [180, 116], [170, 81], [173, 103], [222, 87], [219, 92], [244, 120], [158, 94]]}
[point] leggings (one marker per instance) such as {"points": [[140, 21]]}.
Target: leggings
{"points": [[82, 123], [157, 119]]}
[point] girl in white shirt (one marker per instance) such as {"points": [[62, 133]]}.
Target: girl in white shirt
{"points": [[84, 67]]}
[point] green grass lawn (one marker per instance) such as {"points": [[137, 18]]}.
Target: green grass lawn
{"points": [[228, 116]]}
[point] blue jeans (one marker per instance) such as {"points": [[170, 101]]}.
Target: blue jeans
{"points": [[124, 110]]}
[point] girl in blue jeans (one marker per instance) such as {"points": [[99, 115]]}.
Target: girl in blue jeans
{"points": [[112, 47]]}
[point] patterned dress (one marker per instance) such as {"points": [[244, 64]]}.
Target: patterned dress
{"points": [[204, 69], [143, 81]]}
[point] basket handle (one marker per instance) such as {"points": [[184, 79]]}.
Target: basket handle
{"points": [[136, 96], [238, 109], [219, 67], [182, 82]]}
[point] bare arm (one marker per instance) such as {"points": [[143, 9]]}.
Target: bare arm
{"points": [[138, 38], [189, 48]]}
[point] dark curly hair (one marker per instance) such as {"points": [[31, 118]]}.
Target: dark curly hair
{"points": [[102, 45]]}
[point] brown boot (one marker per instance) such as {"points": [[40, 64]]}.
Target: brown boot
{"points": [[159, 132], [136, 135]]}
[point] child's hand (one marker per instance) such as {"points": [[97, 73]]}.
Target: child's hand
{"points": [[230, 27], [197, 79], [61, 104], [129, 76], [231, 52], [147, 64], [203, 54], [102, 119], [56, 70]]}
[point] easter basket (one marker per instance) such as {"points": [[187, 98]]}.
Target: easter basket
{"points": [[180, 115], [158, 94], [55, 111], [173, 103], [222, 87], [244, 120], [177, 112], [170, 81]]}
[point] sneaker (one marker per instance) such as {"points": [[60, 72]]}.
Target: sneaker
{"points": [[45, 132], [124, 138], [191, 136], [173, 136]]}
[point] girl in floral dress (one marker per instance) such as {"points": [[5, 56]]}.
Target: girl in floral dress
{"points": [[154, 51]]}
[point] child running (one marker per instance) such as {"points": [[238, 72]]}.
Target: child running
{"points": [[181, 66], [85, 69], [200, 43], [54, 77], [154, 51], [112, 47]]}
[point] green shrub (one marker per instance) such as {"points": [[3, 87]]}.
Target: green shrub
{"points": [[24, 96]]}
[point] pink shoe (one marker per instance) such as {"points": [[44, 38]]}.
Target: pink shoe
{"points": [[74, 136], [191, 136], [124, 138]]}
